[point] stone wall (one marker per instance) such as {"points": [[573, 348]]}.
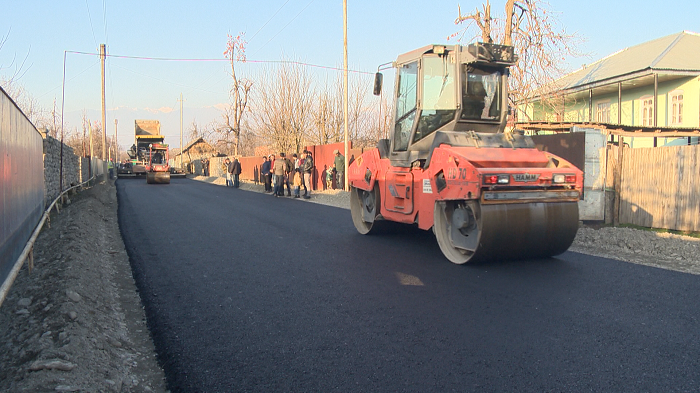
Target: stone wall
{"points": [[84, 169], [72, 171], [216, 166]]}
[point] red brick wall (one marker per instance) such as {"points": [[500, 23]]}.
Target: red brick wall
{"points": [[323, 158]]}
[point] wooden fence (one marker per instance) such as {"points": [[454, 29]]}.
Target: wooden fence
{"points": [[660, 187]]}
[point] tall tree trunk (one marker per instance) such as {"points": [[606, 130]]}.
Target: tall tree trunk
{"points": [[508, 34], [486, 29]]}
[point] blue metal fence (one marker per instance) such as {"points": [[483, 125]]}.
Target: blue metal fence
{"points": [[21, 181]]}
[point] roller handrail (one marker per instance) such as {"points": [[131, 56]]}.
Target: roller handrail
{"points": [[5, 288]]}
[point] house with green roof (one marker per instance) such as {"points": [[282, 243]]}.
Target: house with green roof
{"points": [[652, 87]]}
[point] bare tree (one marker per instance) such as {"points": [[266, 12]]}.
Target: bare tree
{"points": [[27, 103], [379, 122], [360, 112], [194, 132], [248, 140], [282, 111], [80, 140], [541, 45], [12, 86], [327, 114], [233, 113]]}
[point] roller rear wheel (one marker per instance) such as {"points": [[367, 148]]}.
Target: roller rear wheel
{"points": [[364, 207]]}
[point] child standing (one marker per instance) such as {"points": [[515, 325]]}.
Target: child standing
{"points": [[297, 182], [329, 178]]}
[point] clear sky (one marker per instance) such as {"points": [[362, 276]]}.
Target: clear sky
{"points": [[305, 30]]}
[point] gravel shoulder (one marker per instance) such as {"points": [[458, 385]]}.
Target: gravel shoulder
{"points": [[76, 322]]}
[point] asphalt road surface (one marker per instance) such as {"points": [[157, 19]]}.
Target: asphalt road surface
{"points": [[247, 292]]}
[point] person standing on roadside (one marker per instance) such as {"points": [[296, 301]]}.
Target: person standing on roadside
{"points": [[279, 168], [307, 168], [205, 166], [339, 165], [288, 175], [228, 167], [302, 157], [265, 173], [297, 182], [236, 171]]}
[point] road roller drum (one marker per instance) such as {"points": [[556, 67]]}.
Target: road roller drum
{"points": [[467, 232], [158, 177]]}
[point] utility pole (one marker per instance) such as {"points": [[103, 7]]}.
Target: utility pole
{"points": [[345, 86], [91, 156], [103, 54], [181, 147], [116, 142]]}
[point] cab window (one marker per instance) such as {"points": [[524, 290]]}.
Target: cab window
{"points": [[439, 103], [407, 95], [481, 93]]}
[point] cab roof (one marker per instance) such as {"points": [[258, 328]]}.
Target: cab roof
{"points": [[417, 53]]}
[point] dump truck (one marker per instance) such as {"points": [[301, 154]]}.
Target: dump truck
{"points": [[148, 144], [453, 167], [146, 132]]}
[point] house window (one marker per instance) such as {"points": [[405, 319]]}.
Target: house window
{"points": [[603, 112], [677, 108], [647, 111]]}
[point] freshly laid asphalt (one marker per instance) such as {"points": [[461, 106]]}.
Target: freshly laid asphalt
{"points": [[247, 292]]}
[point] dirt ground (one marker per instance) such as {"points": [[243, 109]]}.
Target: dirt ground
{"points": [[76, 322]]}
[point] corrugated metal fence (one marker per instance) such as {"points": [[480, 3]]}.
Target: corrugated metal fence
{"points": [[660, 187], [22, 182]]}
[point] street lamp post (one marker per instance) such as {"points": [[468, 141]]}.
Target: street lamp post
{"points": [[345, 87]]}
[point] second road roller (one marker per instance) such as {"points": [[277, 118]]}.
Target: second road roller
{"points": [[451, 165]]}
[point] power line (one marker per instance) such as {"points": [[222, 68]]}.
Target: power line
{"points": [[285, 26], [268, 21], [226, 60], [90, 18], [166, 81], [104, 19], [75, 76]]}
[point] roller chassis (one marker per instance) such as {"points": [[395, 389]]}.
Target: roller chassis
{"points": [[450, 192], [157, 170]]}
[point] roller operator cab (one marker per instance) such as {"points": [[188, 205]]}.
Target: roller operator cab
{"points": [[450, 164]]}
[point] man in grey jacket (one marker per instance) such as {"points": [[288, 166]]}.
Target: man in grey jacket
{"points": [[279, 169]]}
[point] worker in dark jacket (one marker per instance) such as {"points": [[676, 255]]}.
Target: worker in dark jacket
{"points": [[307, 167], [288, 175], [339, 165], [265, 173], [236, 171]]}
